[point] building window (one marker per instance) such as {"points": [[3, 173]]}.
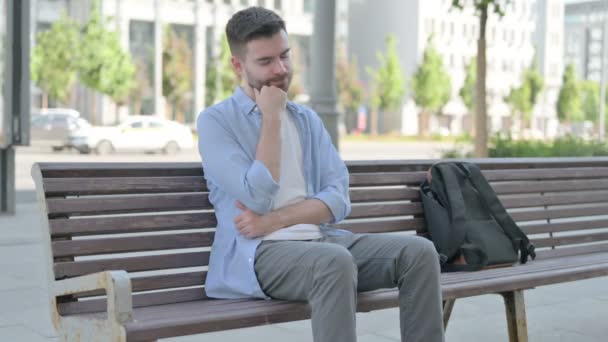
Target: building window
{"points": [[244, 2], [278, 4], [261, 3], [228, 2]]}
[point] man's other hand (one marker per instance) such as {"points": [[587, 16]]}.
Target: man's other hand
{"points": [[250, 224]]}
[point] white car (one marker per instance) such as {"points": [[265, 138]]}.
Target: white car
{"points": [[137, 133]]}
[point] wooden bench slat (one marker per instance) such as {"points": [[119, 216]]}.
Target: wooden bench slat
{"points": [[88, 170], [553, 213], [83, 247], [131, 264], [158, 282], [570, 251], [388, 178], [523, 201], [130, 224], [122, 185], [564, 227], [383, 194], [139, 300], [546, 173], [549, 186], [523, 281], [532, 266], [382, 226], [570, 240], [127, 204], [385, 210]]}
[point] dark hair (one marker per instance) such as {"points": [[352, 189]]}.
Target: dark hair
{"points": [[249, 24]]}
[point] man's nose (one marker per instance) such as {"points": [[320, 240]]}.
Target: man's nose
{"points": [[280, 67]]}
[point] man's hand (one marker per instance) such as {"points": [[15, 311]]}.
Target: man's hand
{"points": [[250, 224], [271, 101]]}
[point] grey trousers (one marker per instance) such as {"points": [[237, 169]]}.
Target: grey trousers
{"points": [[328, 273]]}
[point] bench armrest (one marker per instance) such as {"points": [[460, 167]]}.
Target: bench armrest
{"points": [[118, 289]]}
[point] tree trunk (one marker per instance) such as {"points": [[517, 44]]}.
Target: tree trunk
{"points": [[373, 122], [45, 100], [481, 125], [423, 123]]}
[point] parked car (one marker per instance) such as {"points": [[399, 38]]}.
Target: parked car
{"points": [[52, 127], [137, 133]]}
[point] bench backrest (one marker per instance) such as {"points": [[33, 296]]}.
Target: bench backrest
{"points": [[156, 222]]}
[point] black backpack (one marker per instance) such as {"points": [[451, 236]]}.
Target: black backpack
{"points": [[466, 221]]}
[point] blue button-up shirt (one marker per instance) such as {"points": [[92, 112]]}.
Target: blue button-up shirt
{"points": [[228, 137]]}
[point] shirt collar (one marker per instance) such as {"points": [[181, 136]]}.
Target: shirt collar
{"points": [[247, 106]]}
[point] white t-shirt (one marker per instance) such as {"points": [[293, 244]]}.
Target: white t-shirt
{"points": [[292, 183]]}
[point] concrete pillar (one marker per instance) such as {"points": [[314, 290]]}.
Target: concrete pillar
{"points": [[323, 82], [200, 57], [602, 127], [159, 103]]}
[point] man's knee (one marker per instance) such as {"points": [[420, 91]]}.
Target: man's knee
{"points": [[422, 252], [336, 261]]}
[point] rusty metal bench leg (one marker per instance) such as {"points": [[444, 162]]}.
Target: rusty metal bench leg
{"points": [[448, 305], [515, 308]]}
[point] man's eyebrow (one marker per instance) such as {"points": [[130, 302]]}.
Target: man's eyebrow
{"points": [[261, 59]]}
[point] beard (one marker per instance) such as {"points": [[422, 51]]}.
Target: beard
{"points": [[281, 82]]}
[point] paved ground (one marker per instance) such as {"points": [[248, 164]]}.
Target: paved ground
{"points": [[574, 312]]}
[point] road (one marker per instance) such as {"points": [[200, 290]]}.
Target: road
{"points": [[350, 150]]}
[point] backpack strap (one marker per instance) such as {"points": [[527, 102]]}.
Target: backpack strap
{"points": [[519, 239]]}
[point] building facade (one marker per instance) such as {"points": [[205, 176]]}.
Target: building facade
{"points": [[200, 22], [584, 32], [530, 29]]}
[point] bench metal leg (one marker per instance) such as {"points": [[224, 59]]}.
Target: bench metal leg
{"points": [[516, 315], [448, 305]]}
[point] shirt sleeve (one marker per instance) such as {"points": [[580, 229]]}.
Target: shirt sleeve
{"points": [[334, 177], [227, 165]]}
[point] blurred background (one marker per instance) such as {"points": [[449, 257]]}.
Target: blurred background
{"points": [[125, 79]]}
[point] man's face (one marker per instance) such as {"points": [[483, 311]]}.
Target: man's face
{"points": [[266, 62]]}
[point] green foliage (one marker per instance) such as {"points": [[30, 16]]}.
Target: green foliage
{"points": [[221, 79], [431, 82], [388, 85], [103, 65], [534, 81], [569, 102], [54, 58], [177, 69], [569, 146], [467, 92], [519, 99]]}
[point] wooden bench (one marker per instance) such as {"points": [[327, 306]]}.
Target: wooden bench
{"points": [[129, 242]]}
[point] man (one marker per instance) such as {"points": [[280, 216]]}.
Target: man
{"points": [[275, 181]]}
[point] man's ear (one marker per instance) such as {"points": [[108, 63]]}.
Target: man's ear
{"points": [[237, 65]]}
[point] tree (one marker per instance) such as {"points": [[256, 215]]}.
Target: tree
{"points": [[569, 105], [55, 58], [535, 81], [482, 7], [177, 72], [221, 79], [590, 98], [350, 87], [523, 99], [467, 91], [388, 84], [519, 99], [104, 66], [431, 84]]}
